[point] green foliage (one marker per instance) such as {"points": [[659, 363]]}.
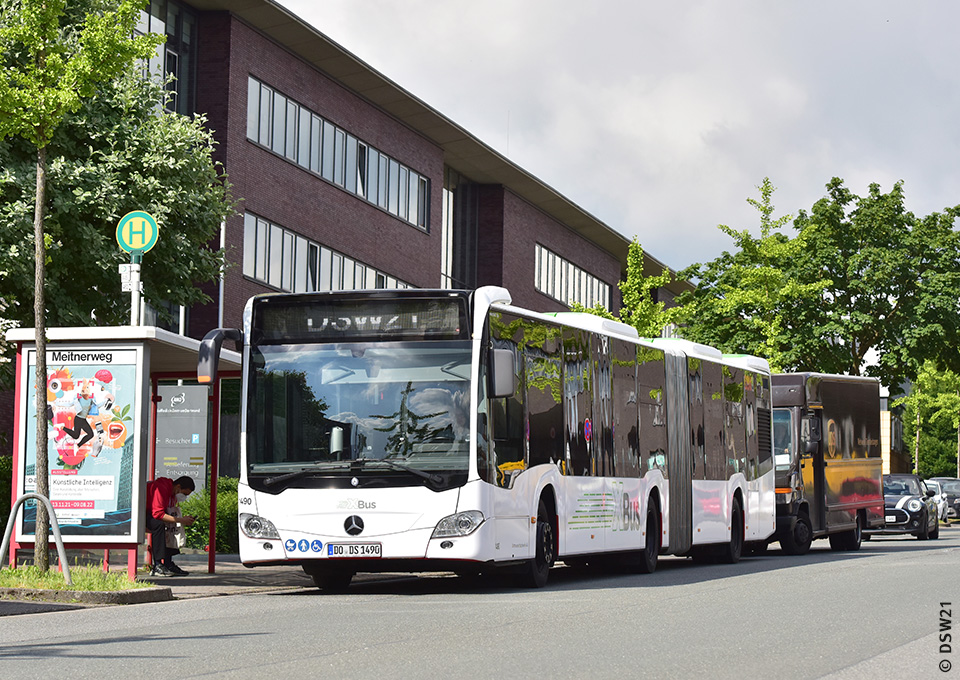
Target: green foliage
{"points": [[932, 416], [894, 284], [863, 275], [115, 154], [6, 489], [86, 578], [639, 309], [55, 57], [227, 531], [743, 301]]}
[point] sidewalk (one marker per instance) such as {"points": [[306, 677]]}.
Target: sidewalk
{"points": [[230, 577]]}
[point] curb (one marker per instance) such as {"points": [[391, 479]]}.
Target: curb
{"points": [[133, 596]]}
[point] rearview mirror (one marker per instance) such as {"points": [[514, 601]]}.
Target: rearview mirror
{"points": [[810, 434], [208, 356]]}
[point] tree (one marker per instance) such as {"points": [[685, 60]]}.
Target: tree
{"points": [[932, 411], [862, 278], [113, 155], [640, 309], [52, 60], [744, 301], [894, 285]]}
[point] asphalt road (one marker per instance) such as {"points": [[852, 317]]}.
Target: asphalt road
{"points": [[872, 614]]}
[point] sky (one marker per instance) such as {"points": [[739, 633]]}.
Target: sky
{"points": [[662, 118]]}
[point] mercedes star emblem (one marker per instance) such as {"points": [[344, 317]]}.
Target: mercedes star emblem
{"points": [[353, 525]]}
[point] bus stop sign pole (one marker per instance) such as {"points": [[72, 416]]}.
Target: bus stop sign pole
{"points": [[137, 232]]}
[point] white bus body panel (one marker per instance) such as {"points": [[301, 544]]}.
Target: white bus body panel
{"points": [[712, 503], [763, 503], [713, 506], [401, 519]]}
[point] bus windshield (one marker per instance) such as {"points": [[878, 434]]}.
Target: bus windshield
{"points": [[335, 407]]}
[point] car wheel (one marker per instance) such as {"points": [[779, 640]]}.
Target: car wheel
{"points": [[924, 532]]}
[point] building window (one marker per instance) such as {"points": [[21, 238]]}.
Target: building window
{"points": [[564, 281], [278, 257], [446, 241], [177, 57], [296, 133]]}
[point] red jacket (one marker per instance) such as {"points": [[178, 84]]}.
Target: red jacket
{"points": [[159, 496]]}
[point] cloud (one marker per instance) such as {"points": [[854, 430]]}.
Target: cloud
{"points": [[662, 118]]}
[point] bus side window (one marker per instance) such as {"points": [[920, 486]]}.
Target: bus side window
{"points": [[544, 410]]}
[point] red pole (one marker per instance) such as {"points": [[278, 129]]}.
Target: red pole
{"points": [[152, 464], [16, 449]]}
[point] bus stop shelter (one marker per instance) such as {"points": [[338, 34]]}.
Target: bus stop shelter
{"points": [[103, 395]]}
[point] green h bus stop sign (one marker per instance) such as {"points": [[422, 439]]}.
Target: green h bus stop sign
{"points": [[137, 232]]}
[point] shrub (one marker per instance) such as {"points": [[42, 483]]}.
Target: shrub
{"points": [[198, 505]]}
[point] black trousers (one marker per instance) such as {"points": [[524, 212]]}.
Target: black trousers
{"points": [[158, 530]]}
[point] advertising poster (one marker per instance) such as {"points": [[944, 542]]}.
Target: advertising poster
{"points": [[92, 396], [182, 432]]}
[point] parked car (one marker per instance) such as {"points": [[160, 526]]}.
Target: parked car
{"points": [[951, 487], [940, 496], [908, 508]]}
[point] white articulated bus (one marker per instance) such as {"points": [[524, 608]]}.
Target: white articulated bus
{"points": [[436, 430]]}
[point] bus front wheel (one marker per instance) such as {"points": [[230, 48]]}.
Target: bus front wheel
{"points": [[331, 581], [539, 567]]}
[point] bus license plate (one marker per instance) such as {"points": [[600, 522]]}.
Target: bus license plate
{"points": [[354, 550]]}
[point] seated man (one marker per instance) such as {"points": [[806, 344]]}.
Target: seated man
{"points": [[161, 494]]}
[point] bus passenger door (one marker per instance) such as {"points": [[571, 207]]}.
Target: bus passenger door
{"points": [[582, 525]]}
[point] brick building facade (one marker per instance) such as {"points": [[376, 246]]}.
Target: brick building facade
{"points": [[482, 220]]}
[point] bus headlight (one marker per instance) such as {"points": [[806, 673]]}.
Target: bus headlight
{"points": [[255, 526], [460, 524], [913, 505]]}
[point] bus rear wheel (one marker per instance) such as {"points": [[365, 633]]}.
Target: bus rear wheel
{"points": [[651, 549], [731, 552], [538, 568]]}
